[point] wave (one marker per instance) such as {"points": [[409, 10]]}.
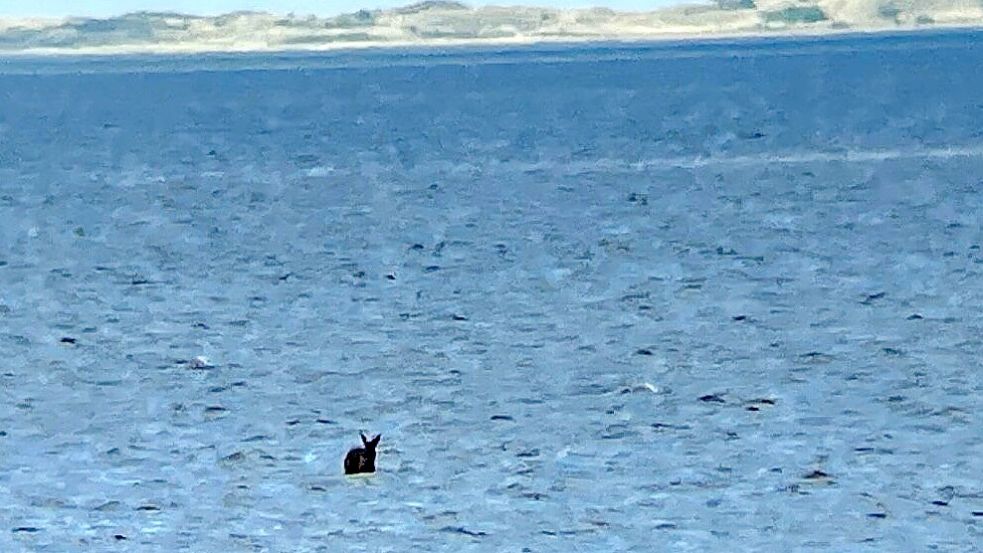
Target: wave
{"points": [[445, 22], [615, 165]]}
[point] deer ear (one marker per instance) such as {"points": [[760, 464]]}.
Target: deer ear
{"points": [[375, 441], [365, 440]]}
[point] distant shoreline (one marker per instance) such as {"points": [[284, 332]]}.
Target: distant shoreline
{"points": [[434, 24], [186, 49]]}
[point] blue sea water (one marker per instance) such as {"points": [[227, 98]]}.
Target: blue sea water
{"points": [[697, 296]]}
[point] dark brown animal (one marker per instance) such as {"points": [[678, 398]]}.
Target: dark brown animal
{"points": [[362, 459]]}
